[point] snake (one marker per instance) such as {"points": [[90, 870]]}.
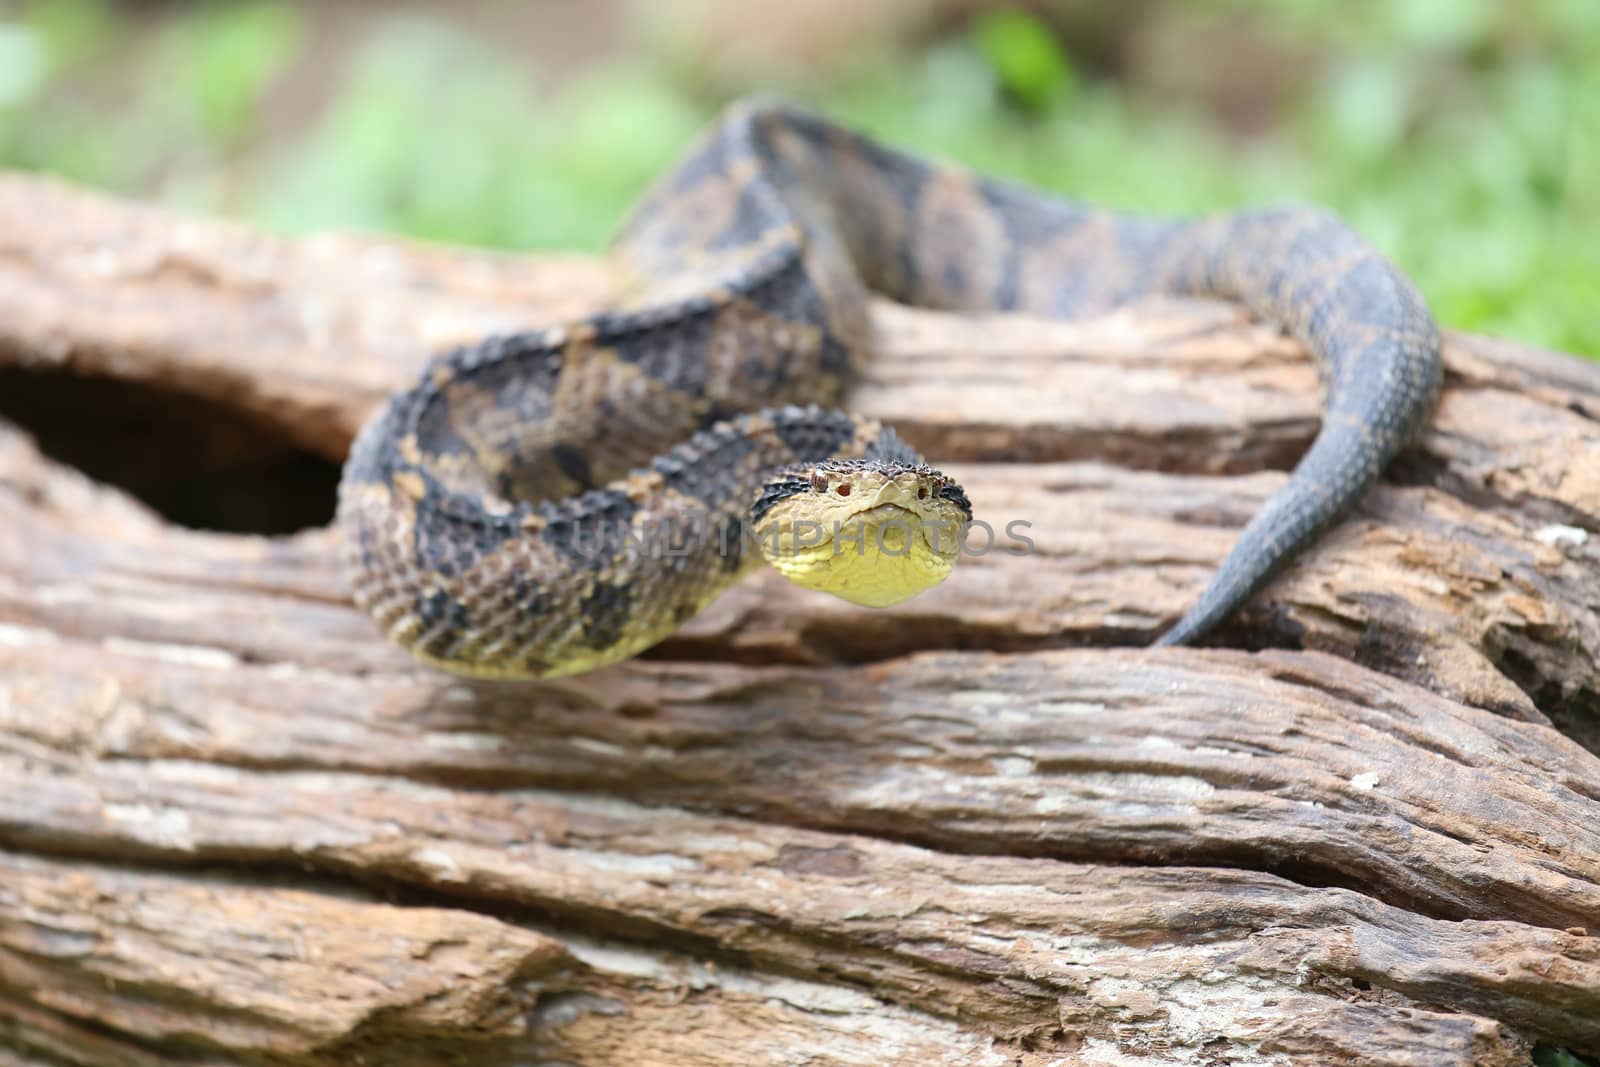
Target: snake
{"points": [[545, 502]]}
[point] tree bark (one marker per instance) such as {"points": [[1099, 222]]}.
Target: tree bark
{"points": [[982, 827]]}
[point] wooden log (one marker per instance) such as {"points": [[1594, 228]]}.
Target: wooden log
{"points": [[982, 827]]}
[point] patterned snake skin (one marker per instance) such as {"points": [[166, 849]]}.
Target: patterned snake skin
{"points": [[486, 512]]}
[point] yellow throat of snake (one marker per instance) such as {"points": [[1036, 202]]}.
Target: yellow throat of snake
{"points": [[871, 533]]}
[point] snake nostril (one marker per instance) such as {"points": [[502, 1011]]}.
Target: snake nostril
{"points": [[844, 489], [922, 492]]}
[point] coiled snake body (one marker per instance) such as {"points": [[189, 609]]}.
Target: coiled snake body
{"points": [[507, 515]]}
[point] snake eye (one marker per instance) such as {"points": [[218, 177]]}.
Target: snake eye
{"points": [[819, 482], [844, 488]]}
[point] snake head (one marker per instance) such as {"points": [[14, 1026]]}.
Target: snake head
{"points": [[871, 532]]}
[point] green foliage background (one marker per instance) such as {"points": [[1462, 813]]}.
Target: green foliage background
{"points": [[1452, 132]]}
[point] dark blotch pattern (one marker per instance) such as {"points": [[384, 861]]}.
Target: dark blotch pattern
{"points": [[452, 536], [812, 435], [605, 614], [530, 598], [957, 496], [776, 492], [445, 621], [590, 530], [572, 463], [674, 352], [701, 470]]}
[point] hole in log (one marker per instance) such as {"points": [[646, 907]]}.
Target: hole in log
{"points": [[1573, 709], [197, 462]]}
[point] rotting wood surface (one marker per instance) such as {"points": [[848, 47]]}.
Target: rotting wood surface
{"points": [[979, 828]]}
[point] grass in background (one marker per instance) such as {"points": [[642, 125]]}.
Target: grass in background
{"points": [[1443, 129]]}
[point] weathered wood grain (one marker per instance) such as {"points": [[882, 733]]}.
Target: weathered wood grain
{"points": [[982, 827]]}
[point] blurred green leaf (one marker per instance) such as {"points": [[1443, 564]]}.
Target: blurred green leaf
{"points": [[1367, 106], [69, 28], [225, 56], [1440, 23], [1026, 57], [24, 62]]}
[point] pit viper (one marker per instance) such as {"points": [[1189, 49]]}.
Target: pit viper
{"points": [[546, 502]]}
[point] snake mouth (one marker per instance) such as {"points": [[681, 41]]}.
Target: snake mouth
{"points": [[885, 518], [895, 528], [873, 556], [889, 512]]}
